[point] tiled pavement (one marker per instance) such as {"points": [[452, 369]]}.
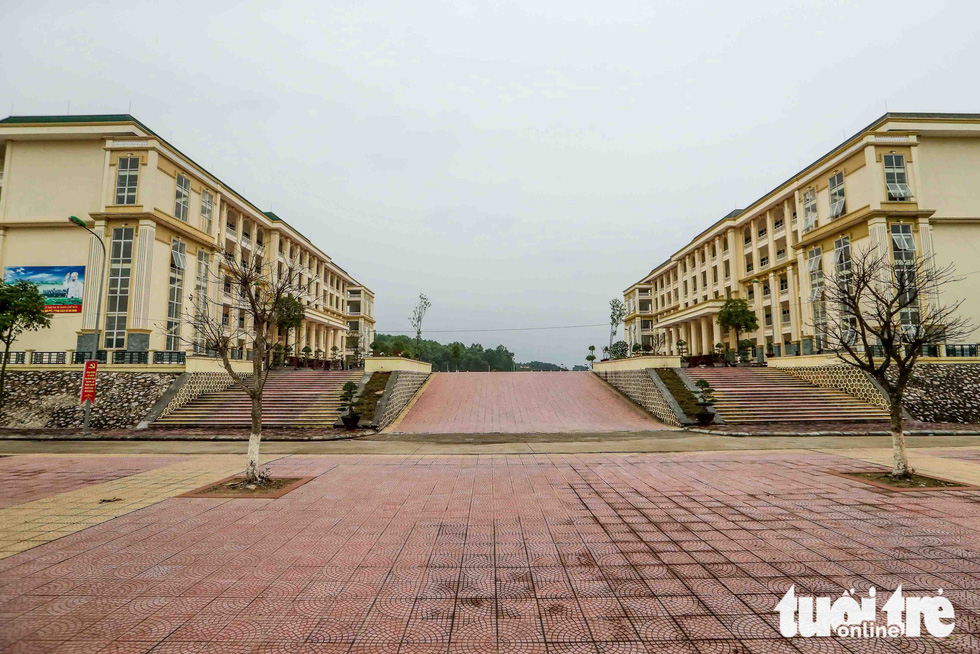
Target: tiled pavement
{"points": [[55, 514], [521, 403], [26, 478], [537, 553]]}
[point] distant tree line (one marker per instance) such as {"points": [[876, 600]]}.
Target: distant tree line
{"points": [[454, 356]]}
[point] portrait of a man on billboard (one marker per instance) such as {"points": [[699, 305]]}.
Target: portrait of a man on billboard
{"points": [[61, 286]]}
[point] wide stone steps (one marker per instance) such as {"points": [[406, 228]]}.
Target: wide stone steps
{"points": [[291, 398], [757, 395]]}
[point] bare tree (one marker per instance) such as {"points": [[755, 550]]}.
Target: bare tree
{"points": [[657, 343], [617, 311], [260, 298], [418, 313], [880, 315]]}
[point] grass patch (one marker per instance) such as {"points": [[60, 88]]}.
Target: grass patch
{"points": [[373, 390], [914, 482], [685, 398]]}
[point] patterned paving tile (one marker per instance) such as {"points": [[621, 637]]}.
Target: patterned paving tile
{"points": [[496, 553], [521, 403]]}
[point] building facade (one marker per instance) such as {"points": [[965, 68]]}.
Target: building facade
{"points": [[906, 185], [168, 227], [360, 321]]}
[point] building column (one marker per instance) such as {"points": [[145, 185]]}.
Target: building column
{"points": [[715, 330], [142, 271], [777, 312], [792, 274], [706, 346], [928, 251], [93, 272], [760, 312]]}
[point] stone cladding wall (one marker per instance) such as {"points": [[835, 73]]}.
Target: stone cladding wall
{"points": [[200, 383], [844, 378], [401, 388], [944, 392], [49, 398], [640, 387]]}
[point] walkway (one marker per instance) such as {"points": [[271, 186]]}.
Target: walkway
{"points": [[539, 553], [521, 403]]}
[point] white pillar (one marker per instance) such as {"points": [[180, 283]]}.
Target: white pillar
{"points": [[142, 273], [93, 273]]}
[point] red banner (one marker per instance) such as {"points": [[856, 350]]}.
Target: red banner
{"points": [[88, 381]]}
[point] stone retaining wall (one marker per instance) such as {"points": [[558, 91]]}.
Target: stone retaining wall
{"points": [[399, 391], [49, 398], [844, 378], [944, 392], [641, 387]]}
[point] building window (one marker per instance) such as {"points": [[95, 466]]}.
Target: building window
{"points": [[183, 199], [903, 254], [815, 269], [809, 210], [117, 300], [842, 257], [837, 196], [896, 180], [842, 264], [207, 211], [201, 297], [175, 298], [127, 179]]}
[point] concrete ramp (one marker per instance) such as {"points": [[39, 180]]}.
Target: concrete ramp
{"points": [[521, 403]]}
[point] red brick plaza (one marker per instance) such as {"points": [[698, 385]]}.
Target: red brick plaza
{"points": [[509, 553]]}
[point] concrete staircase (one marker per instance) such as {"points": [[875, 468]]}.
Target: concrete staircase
{"points": [[291, 398], [771, 395]]}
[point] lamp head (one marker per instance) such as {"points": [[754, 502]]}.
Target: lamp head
{"points": [[78, 221]]}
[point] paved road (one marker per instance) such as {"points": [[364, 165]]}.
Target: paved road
{"points": [[522, 403], [538, 553]]}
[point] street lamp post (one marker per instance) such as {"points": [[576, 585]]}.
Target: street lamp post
{"points": [[98, 308]]}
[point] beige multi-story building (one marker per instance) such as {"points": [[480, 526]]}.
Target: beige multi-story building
{"points": [[907, 185], [168, 225], [360, 319]]}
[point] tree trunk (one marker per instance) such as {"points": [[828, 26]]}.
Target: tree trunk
{"points": [[900, 467], [254, 439]]}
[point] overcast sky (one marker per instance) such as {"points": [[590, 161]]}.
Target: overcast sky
{"points": [[521, 163]]}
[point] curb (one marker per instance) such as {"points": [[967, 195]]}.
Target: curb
{"points": [[916, 432]]}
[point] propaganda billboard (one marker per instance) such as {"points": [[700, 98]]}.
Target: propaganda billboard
{"points": [[61, 286]]}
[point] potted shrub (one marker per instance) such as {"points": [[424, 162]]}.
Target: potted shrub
{"points": [[350, 417], [307, 350], [706, 398]]}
